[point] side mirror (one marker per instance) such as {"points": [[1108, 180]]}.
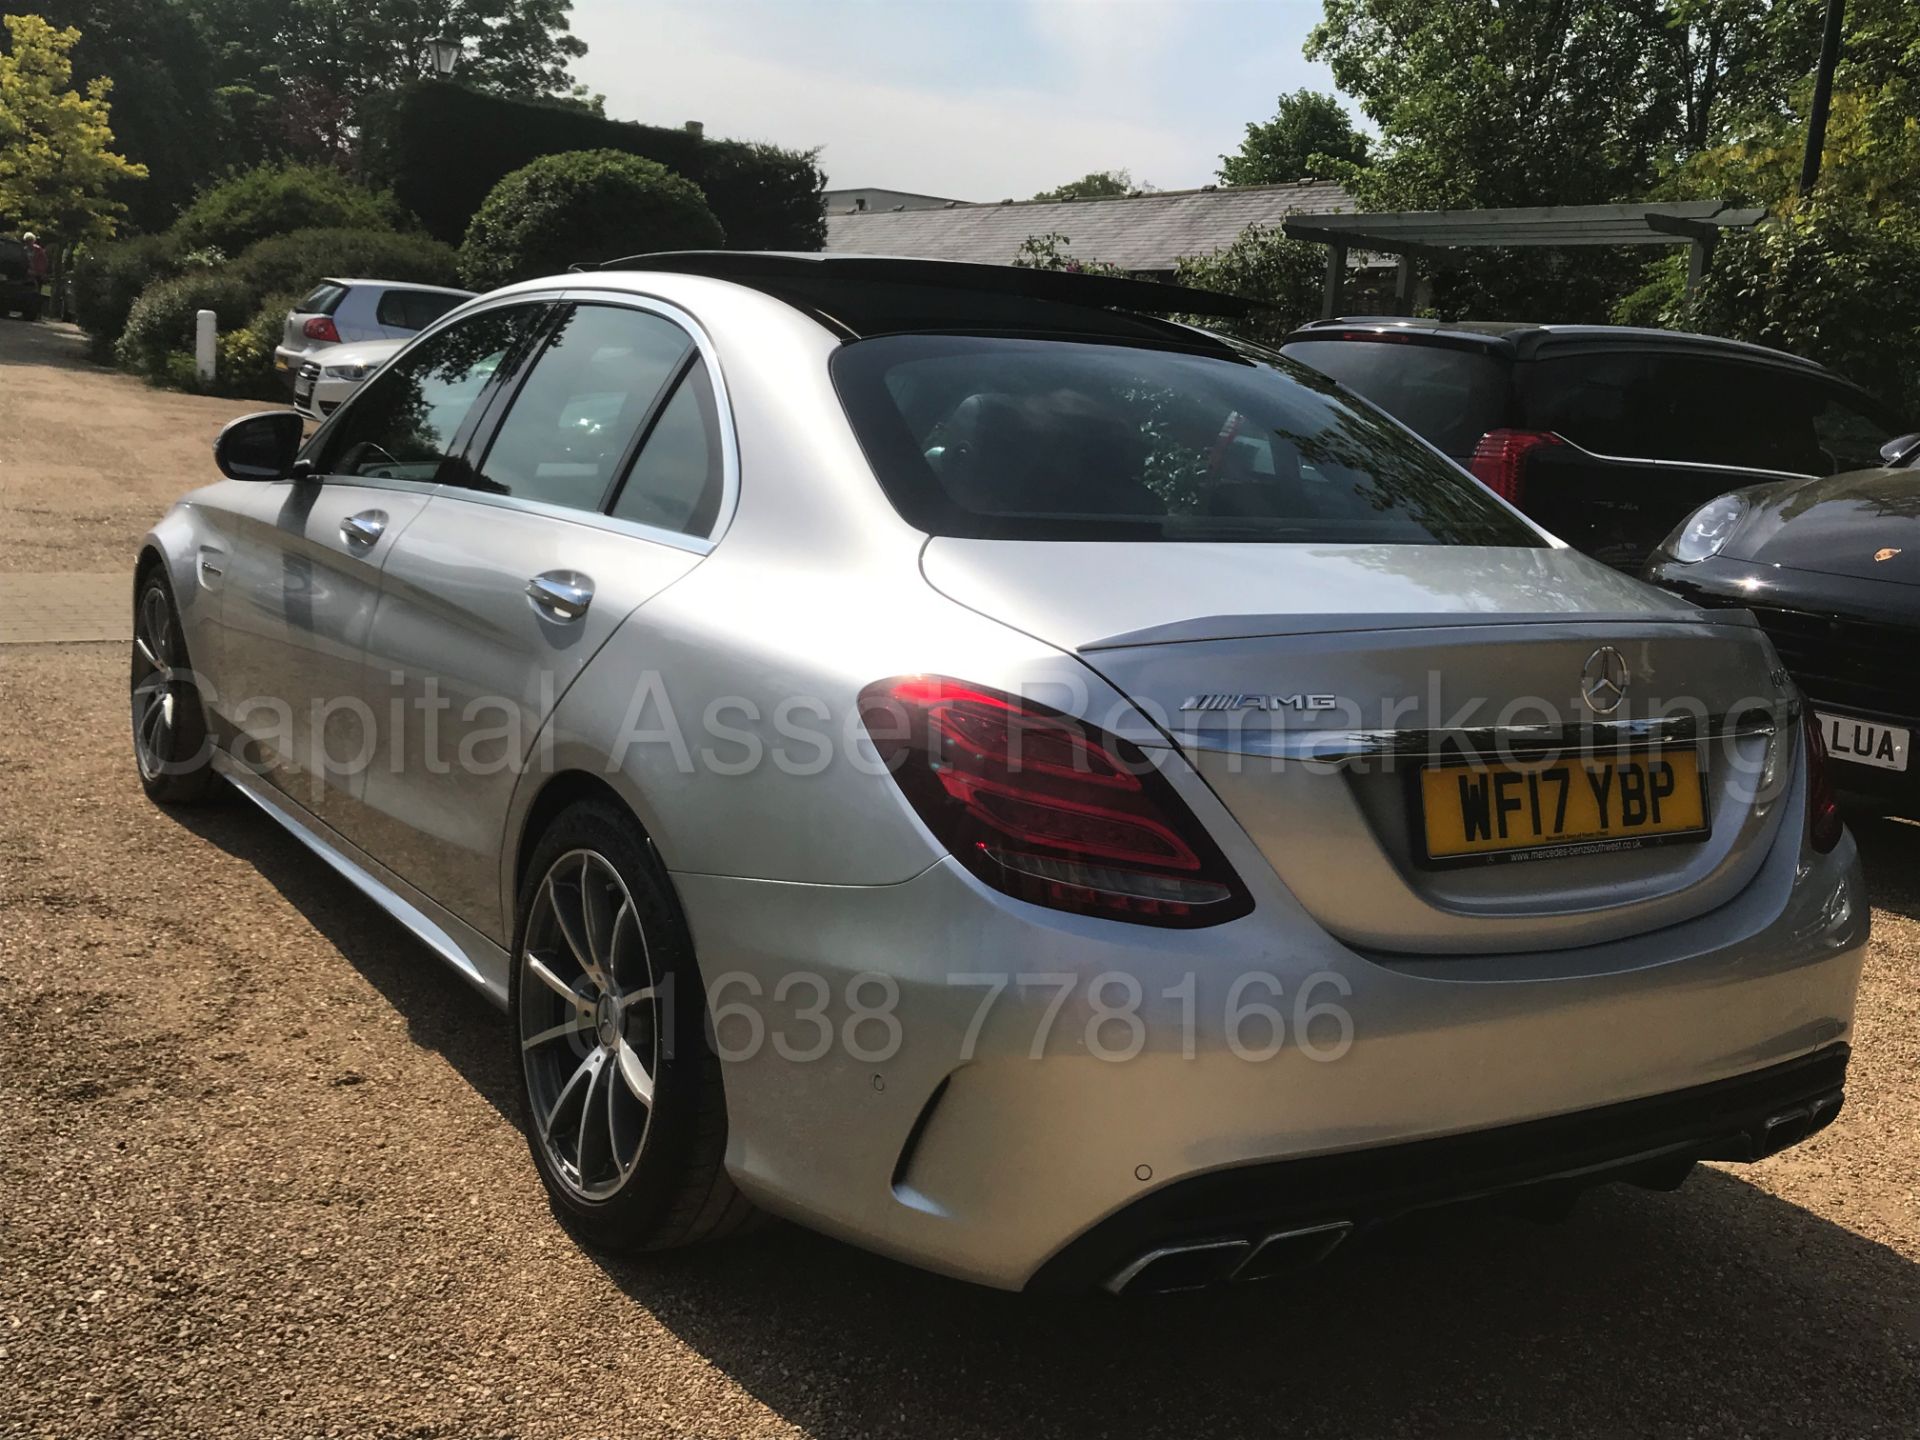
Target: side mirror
{"points": [[1900, 448], [260, 446]]}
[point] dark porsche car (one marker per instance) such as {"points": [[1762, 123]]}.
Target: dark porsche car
{"points": [[1831, 569], [1605, 434]]}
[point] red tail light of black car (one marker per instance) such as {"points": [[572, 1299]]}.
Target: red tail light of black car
{"points": [[1048, 808], [1824, 825], [1500, 460]]}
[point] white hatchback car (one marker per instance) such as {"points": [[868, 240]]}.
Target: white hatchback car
{"points": [[334, 372], [337, 311]]}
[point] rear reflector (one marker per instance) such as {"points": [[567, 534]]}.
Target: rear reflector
{"points": [[1500, 460], [1048, 808]]}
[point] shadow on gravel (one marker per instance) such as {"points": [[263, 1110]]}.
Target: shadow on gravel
{"points": [[1719, 1310], [42, 345], [442, 1012], [1890, 852]]}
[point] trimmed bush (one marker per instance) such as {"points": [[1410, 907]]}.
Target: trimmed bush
{"points": [[298, 261], [276, 199], [442, 147], [586, 206], [162, 319], [108, 279]]}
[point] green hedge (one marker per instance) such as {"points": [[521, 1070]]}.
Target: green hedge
{"points": [[298, 260], [108, 279], [161, 322], [276, 199], [442, 148], [588, 206]]}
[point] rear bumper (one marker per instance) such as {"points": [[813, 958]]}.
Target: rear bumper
{"points": [[1236, 1224], [989, 1161]]}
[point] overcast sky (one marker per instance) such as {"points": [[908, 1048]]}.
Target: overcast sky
{"points": [[975, 99]]}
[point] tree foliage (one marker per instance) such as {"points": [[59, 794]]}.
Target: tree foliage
{"points": [[1827, 283], [276, 199], [1263, 263], [57, 166], [1049, 252], [1310, 135], [585, 206], [1096, 185]]}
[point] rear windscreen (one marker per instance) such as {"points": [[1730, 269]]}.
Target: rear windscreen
{"points": [[1449, 395], [323, 300], [1013, 438]]}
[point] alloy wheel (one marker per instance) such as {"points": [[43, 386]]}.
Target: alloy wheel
{"points": [[589, 1025], [155, 683]]}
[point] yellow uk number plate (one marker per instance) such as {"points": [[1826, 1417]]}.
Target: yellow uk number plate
{"points": [[1579, 805]]}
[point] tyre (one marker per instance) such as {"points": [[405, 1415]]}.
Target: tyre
{"points": [[170, 744], [620, 1093]]}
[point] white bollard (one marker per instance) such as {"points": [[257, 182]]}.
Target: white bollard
{"points": [[204, 352]]}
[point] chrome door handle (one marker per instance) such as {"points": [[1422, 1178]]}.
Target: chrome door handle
{"points": [[364, 528], [561, 595]]}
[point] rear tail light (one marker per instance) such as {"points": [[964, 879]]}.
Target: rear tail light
{"points": [[1824, 826], [1048, 808], [321, 327], [1500, 459]]}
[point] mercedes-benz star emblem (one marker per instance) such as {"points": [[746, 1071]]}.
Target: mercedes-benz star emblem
{"points": [[1603, 684]]}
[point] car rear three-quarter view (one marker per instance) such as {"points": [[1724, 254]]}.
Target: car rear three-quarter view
{"points": [[942, 755]]}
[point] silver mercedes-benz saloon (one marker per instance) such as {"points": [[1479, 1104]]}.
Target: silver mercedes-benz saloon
{"points": [[957, 758]]}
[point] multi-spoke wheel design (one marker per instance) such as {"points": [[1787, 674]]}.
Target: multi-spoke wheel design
{"points": [[589, 1024], [156, 684]]}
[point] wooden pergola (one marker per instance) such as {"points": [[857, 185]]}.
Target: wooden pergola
{"points": [[1414, 234]]}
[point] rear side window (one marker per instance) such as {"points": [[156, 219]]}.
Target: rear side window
{"points": [[1025, 439], [413, 309], [322, 300], [1703, 409], [1448, 395], [675, 482]]}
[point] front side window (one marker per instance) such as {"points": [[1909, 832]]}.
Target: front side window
{"points": [[592, 386], [1005, 438], [405, 421]]}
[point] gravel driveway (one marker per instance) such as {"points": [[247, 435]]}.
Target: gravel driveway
{"points": [[257, 1175]]}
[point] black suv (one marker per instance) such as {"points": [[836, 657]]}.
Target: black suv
{"points": [[1608, 436]]}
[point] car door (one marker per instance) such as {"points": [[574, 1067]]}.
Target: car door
{"points": [[303, 581], [602, 483]]}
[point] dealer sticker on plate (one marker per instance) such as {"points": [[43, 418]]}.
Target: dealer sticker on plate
{"points": [[1865, 742]]}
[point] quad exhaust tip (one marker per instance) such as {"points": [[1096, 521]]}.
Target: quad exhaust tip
{"points": [[1195, 1265]]}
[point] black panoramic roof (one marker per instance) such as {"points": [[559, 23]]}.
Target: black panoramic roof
{"points": [[861, 295], [1522, 340]]}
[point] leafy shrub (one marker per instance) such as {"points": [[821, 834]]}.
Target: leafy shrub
{"points": [[162, 319], [1829, 283], [107, 279], [299, 260], [584, 206], [276, 199], [1263, 263]]}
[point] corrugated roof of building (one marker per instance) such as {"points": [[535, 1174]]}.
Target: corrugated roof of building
{"points": [[1136, 232]]}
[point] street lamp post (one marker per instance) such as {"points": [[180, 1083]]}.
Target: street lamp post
{"points": [[444, 54]]}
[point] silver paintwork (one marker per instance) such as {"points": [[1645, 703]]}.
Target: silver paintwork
{"points": [[1479, 998]]}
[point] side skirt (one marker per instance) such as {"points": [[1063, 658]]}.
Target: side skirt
{"points": [[479, 961]]}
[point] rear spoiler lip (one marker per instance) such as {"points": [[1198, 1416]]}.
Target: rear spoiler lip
{"points": [[1201, 629]]}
